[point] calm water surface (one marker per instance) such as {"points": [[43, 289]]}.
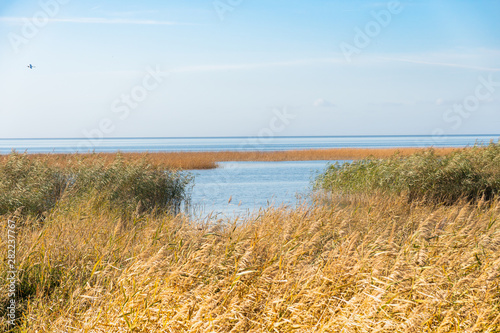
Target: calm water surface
{"points": [[234, 144], [239, 188]]}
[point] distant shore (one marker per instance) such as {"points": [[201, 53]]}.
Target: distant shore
{"points": [[209, 160]]}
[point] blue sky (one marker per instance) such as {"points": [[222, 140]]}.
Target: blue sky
{"points": [[225, 67]]}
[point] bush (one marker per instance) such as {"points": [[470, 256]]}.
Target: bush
{"points": [[472, 173]]}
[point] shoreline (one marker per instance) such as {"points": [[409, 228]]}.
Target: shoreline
{"points": [[208, 160]]}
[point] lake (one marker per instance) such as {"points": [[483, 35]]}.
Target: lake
{"points": [[235, 144], [237, 188]]}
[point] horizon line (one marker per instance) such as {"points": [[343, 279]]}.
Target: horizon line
{"points": [[252, 137]]}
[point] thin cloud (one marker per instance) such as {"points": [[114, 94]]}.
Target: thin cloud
{"points": [[133, 12], [441, 101], [491, 51], [211, 68], [449, 103], [226, 67], [433, 63], [94, 20], [364, 7], [390, 104], [323, 103]]}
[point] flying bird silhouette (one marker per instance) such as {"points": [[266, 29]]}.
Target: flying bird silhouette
{"points": [[30, 66]]}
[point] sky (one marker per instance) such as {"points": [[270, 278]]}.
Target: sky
{"points": [[202, 68]]}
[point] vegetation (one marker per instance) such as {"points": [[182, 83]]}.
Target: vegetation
{"points": [[472, 174], [208, 160], [366, 263], [35, 186], [375, 265]]}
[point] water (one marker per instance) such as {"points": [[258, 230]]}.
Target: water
{"points": [[234, 144], [249, 185], [240, 188]]}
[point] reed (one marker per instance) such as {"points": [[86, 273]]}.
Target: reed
{"points": [[37, 186], [208, 160], [360, 264], [472, 174], [378, 264]]}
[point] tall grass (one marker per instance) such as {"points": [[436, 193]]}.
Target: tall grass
{"points": [[208, 160], [375, 264], [472, 173], [35, 186], [379, 266], [30, 184]]}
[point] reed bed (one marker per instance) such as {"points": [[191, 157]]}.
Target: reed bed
{"points": [[36, 186], [368, 265], [472, 174], [361, 262], [208, 160]]}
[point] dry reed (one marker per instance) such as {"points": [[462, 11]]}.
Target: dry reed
{"points": [[208, 160], [370, 265]]}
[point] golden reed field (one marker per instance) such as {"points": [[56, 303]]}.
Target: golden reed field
{"points": [[367, 265], [97, 252], [208, 160]]}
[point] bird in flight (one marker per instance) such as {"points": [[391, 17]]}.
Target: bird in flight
{"points": [[30, 66]]}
